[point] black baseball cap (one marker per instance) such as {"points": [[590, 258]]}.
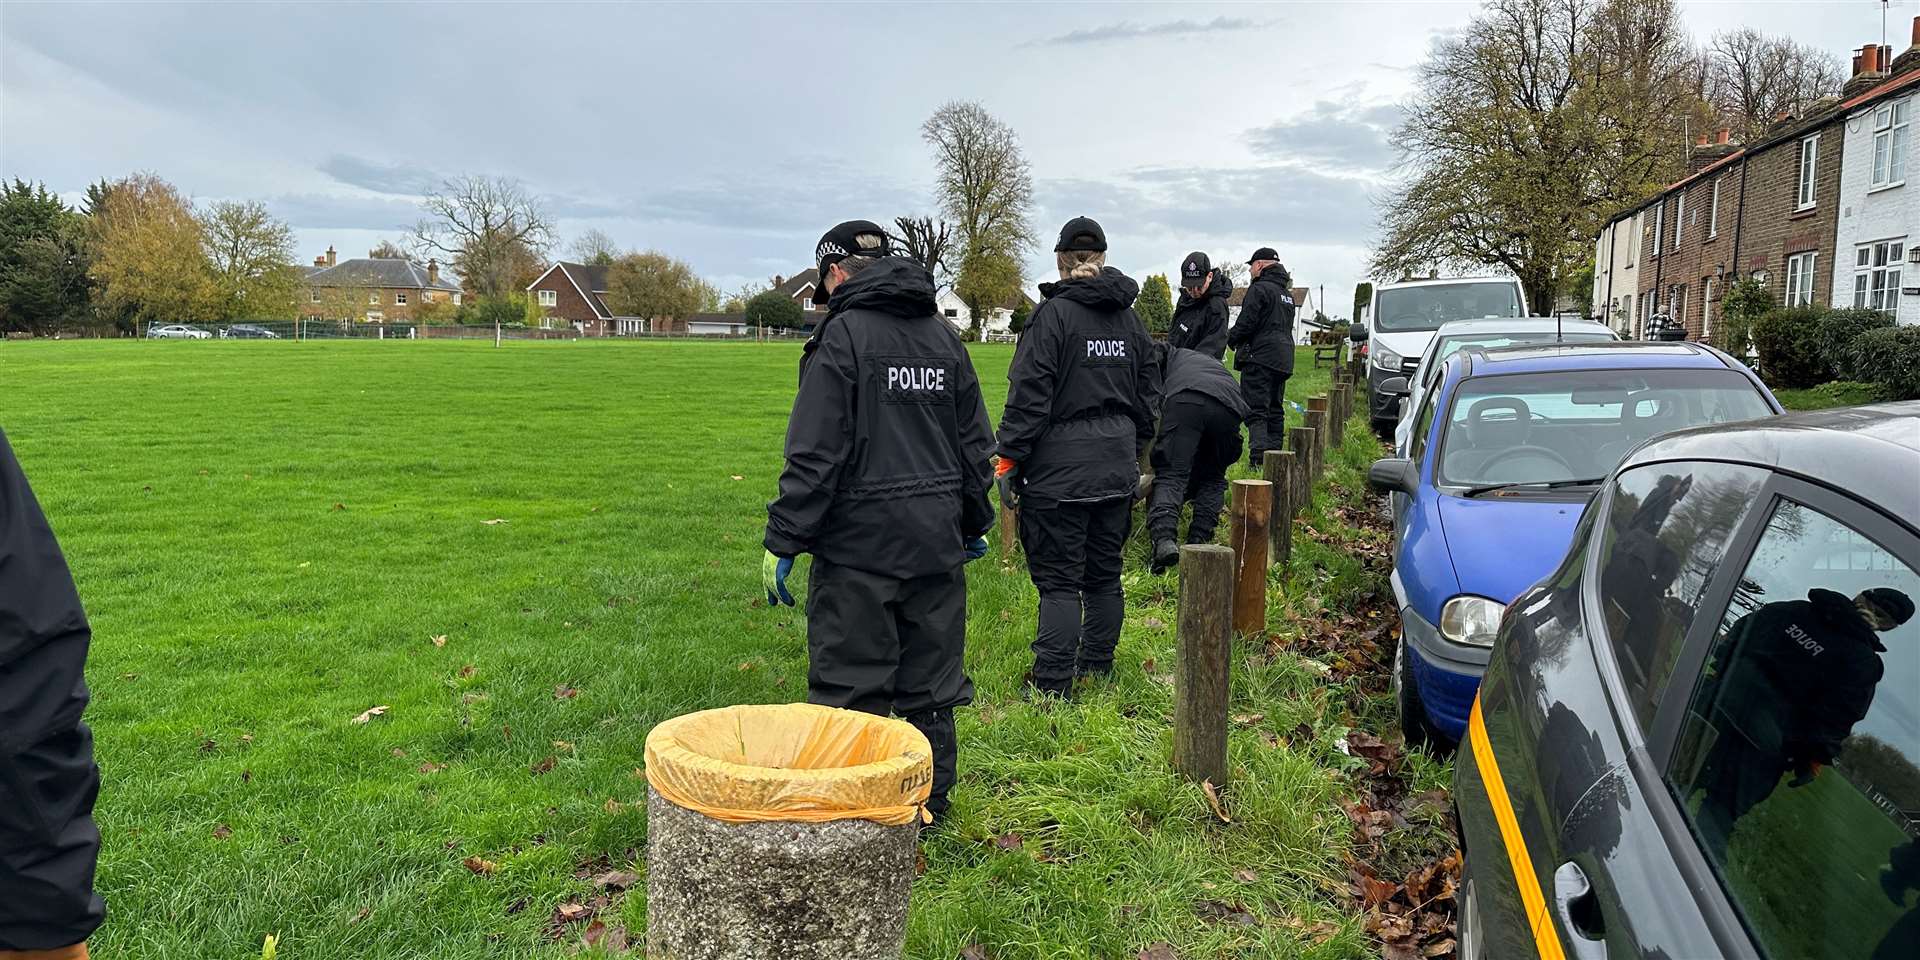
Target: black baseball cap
{"points": [[843, 241], [1892, 602], [1081, 233], [1264, 253], [1194, 269]]}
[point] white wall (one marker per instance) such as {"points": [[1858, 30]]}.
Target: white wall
{"points": [[1866, 215], [1000, 320], [1617, 259]]}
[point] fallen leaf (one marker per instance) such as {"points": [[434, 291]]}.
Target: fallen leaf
{"points": [[1246, 876], [439, 639], [611, 806], [369, 714], [516, 906], [563, 746], [571, 912], [1153, 623], [305, 564], [467, 671], [738, 477], [431, 767], [616, 880], [496, 521], [479, 866], [1008, 841], [973, 951], [544, 766], [1248, 719], [222, 832], [1213, 800], [399, 752], [363, 913], [564, 692], [339, 506], [1158, 951], [209, 747]]}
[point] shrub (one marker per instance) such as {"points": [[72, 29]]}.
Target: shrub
{"points": [[1890, 357], [774, 309], [1837, 332], [1789, 346], [1746, 301]]}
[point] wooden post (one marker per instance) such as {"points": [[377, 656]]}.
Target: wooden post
{"points": [[1337, 413], [1205, 640], [1280, 473], [1302, 443], [1009, 531], [1316, 420], [1252, 510]]}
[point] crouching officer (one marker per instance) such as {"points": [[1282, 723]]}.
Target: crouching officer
{"points": [[1262, 341], [1200, 318], [888, 464], [1199, 439], [48, 782], [1082, 396]]}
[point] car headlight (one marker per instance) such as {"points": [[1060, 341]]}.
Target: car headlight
{"points": [[1386, 359], [1471, 620]]}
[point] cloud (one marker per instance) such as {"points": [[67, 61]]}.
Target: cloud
{"points": [[1280, 203], [399, 179], [1341, 136], [1127, 30], [325, 210]]}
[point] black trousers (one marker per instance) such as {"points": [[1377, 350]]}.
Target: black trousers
{"points": [[1074, 558], [1199, 440], [1265, 391], [884, 645]]}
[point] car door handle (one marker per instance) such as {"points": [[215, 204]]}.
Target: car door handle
{"points": [[1579, 909]]}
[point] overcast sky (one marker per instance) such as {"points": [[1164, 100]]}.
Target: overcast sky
{"points": [[732, 135]]}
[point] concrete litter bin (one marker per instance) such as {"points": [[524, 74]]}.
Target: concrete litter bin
{"points": [[782, 832]]}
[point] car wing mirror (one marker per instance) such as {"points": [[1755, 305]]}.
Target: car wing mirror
{"points": [[1393, 475], [1357, 333], [1394, 386]]}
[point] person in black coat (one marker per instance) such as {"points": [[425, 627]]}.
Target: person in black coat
{"points": [[48, 782], [886, 484], [1262, 342], [1199, 439], [1200, 318], [1082, 397]]}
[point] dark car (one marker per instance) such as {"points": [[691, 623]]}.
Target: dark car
{"points": [[1700, 736], [248, 331]]}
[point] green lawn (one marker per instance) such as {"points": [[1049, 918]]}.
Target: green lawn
{"points": [[270, 537]]}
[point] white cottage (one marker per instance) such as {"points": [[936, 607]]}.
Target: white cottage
{"points": [[1876, 260], [1616, 275]]}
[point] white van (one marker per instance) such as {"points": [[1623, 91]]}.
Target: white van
{"points": [[1401, 321]]}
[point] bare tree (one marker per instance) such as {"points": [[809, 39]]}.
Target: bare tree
{"points": [[388, 250], [1751, 78], [251, 256], [488, 229], [924, 241], [595, 248], [984, 186]]}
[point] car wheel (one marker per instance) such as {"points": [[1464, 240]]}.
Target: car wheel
{"points": [[1467, 927], [1406, 696]]}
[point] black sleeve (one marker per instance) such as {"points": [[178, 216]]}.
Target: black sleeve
{"points": [[48, 781], [819, 438], [1146, 387], [976, 448], [1253, 312], [1188, 330], [1030, 386]]}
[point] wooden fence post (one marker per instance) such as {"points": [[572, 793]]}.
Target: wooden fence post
{"points": [[1302, 443], [1316, 420], [1009, 531], [1205, 639], [1252, 512], [1337, 414], [1280, 472]]}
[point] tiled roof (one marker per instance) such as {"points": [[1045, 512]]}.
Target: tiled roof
{"points": [[381, 272]]}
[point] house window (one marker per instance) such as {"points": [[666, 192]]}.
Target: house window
{"points": [[1809, 163], [1890, 143], [1679, 219], [1659, 225], [1706, 307], [806, 303], [399, 299], [1713, 211], [456, 299], [952, 313], [1677, 303], [1876, 278], [1800, 279], [373, 298], [313, 296], [549, 298]]}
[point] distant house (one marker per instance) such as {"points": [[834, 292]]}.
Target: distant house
{"points": [[1302, 308], [800, 288], [373, 289], [718, 325], [998, 320], [575, 293]]}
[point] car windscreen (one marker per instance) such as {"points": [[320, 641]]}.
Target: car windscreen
{"points": [[1448, 346], [1538, 428], [1427, 307]]}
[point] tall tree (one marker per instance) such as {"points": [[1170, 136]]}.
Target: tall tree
{"points": [[654, 286], [736, 302], [43, 261], [1362, 298], [771, 308], [984, 186], [924, 241], [594, 248], [1752, 78], [1155, 303], [490, 230], [1528, 127], [388, 250], [149, 256], [251, 257]]}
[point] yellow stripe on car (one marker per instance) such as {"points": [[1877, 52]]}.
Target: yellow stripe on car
{"points": [[1546, 938]]}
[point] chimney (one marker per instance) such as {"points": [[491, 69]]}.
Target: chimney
{"points": [[330, 255], [1908, 60], [320, 261], [433, 272], [1869, 68], [1700, 141]]}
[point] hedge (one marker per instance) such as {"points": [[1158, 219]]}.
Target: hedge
{"points": [[1789, 346], [1835, 335], [1890, 356]]}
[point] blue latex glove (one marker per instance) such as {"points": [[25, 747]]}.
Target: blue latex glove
{"points": [[976, 548], [774, 570]]}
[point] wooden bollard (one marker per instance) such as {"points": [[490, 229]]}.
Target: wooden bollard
{"points": [[1252, 512], [1279, 472], [1317, 422], [1337, 408], [1301, 441], [1205, 639], [1009, 531]]}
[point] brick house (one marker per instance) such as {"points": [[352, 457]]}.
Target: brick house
{"points": [[800, 288], [373, 289], [575, 293]]}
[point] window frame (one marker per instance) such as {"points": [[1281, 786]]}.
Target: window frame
{"points": [[1659, 225], [1706, 309], [1713, 210], [549, 298], [806, 303], [399, 298], [1883, 177], [1807, 175], [1679, 218], [1806, 276]]}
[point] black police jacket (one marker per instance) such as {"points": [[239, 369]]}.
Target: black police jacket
{"points": [[48, 781], [1201, 323], [888, 447], [1205, 375], [1083, 392], [1263, 336], [1801, 673]]}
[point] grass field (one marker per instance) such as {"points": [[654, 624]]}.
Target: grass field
{"points": [[530, 555]]}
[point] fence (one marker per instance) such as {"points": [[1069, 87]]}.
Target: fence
{"points": [[312, 329]]}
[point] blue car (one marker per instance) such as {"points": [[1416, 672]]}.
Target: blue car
{"points": [[1507, 448]]}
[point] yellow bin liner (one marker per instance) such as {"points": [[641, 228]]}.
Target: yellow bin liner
{"points": [[797, 762]]}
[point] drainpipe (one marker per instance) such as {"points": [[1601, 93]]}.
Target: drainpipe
{"points": [[1739, 219], [1660, 262]]}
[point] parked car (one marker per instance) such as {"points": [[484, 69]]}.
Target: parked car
{"points": [[248, 331], [1402, 318], [178, 331], [1488, 335], [1700, 735], [1507, 448]]}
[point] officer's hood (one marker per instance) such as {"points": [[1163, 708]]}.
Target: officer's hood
{"points": [[1220, 289], [893, 285], [1838, 611], [1106, 291], [1275, 274]]}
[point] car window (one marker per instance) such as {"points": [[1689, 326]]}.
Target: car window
{"points": [[1423, 424], [1798, 763], [1539, 428], [1668, 525], [1429, 306]]}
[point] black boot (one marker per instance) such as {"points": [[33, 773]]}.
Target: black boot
{"points": [[937, 725], [1166, 553], [1035, 690]]}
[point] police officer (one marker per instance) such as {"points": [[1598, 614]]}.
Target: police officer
{"points": [[1200, 318], [48, 782], [888, 463], [1262, 342], [1199, 439], [1082, 396]]}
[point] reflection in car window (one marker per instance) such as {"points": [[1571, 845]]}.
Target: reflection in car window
{"points": [[1578, 424], [1423, 425], [1667, 529], [1428, 307], [1798, 764], [1448, 346]]}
